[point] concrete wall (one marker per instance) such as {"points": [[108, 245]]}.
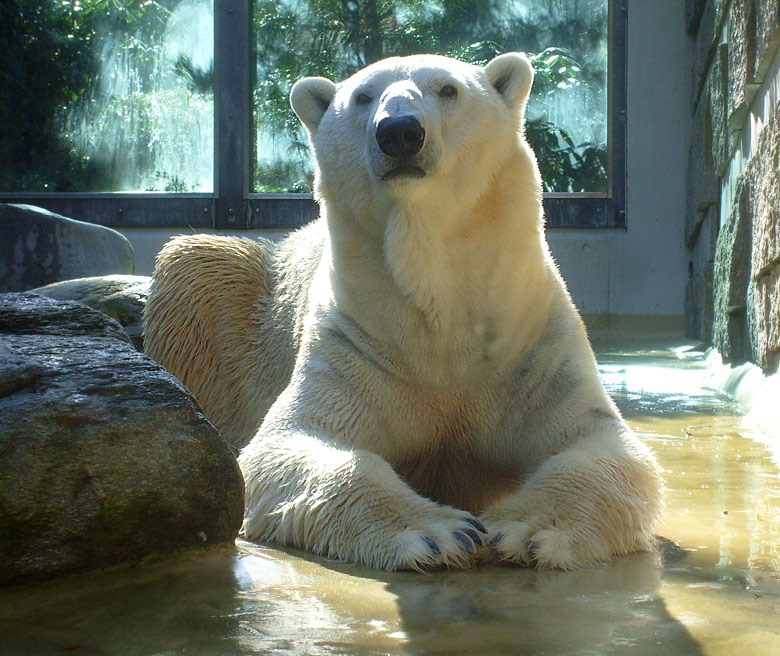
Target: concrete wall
{"points": [[642, 270], [148, 241]]}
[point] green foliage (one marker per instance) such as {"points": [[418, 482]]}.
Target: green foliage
{"points": [[565, 166], [159, 126], [53, 54], [45, 47], [54, 51], [334, 39]]}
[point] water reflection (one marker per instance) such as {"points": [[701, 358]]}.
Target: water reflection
{"points": [[718, 592], [261, 601], [173, 606], [605, 610], [662, 383]]}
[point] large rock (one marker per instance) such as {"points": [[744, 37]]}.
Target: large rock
{"points": [[764, 183], [767, 34], [718, 90], [742, 48], [703, 184], [27, 314], [754, 31], [766, 309], [708, 36], [698, 304], [732, 277], [104, 456], [698, 292], [735, 47], [38, 247], [121, 297]]}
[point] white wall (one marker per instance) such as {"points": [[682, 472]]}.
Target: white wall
{"points": [[148, 241], [641, 270]]}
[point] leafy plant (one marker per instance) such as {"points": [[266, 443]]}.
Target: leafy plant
{"points": [[565, 165], [55, 50], [46, 64], [334, 39]]}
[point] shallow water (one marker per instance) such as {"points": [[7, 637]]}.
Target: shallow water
{"points": [[716, 591]]}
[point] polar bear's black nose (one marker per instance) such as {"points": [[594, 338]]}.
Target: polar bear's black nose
{"points": [[400, 136]]}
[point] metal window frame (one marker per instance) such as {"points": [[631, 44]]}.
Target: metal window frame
{"points": [[232, 205]]}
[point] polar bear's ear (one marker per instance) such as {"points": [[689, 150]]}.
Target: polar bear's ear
{"points": [[511, 74], [310, 98]]}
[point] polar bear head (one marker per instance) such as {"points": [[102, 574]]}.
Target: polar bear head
{"points": [[418, 127]]}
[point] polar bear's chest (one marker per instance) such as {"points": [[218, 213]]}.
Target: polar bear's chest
{"points": [[451, 474]]}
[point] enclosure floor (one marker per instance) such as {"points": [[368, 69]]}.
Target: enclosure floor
{"points": [[712, 588]]}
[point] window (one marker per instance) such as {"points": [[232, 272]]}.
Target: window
{"points": [[127, 106], [175, 112], [567, 41]]}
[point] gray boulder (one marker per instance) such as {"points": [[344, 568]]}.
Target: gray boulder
{"points": [[38, 247], [105, 457], [121, 297]]}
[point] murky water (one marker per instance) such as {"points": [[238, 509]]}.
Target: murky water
{"points": [[717, 591]]}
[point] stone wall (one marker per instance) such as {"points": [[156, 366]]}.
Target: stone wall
{"points": [[732, 227]]}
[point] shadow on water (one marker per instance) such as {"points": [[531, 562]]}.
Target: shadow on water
{"points": [[611, 609]]}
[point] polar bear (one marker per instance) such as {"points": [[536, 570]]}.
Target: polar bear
{"points": [[407, 378]]}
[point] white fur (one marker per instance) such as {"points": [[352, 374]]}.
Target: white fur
{"points": [[419, 352]]}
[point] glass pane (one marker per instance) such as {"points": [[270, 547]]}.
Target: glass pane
{"points": [[103, 95], [567, 39]]}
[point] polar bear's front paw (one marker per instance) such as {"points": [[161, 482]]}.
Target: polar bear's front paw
{"points": [[450, 542], [528, 543]]}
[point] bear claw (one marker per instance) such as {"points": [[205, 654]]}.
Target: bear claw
{"points": [[475, 538], [465, 541], [496, 539], [476, 524], [432, 544]]}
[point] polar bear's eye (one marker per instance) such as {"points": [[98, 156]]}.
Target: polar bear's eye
{"points": [[448, 91], [362, 99]]}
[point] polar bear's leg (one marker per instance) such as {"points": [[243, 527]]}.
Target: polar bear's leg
{"points": [[206, 301], [348, 504], [595, 500]]}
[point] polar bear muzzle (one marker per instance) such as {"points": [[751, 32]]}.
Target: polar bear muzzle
{"points": [[400, 137]]}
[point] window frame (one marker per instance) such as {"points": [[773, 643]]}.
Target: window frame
{"points": [[233, 206]]}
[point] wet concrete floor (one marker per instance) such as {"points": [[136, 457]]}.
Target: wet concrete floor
{"points": [[712, 588]]}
